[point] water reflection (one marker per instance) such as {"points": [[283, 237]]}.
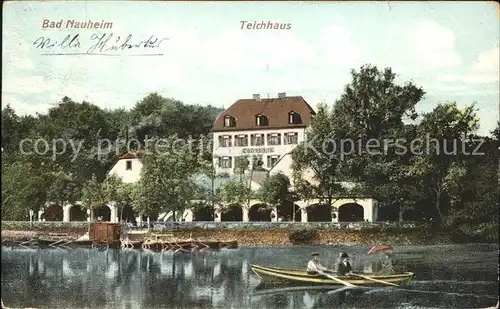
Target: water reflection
{"points": [[84, 278]]}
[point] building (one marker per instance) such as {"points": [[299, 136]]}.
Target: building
{"points": [[128, 168], [262, 129]]}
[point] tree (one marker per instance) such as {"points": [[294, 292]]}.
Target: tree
{"points": [[146, 200], [319, 155], [373, 109], [303, 189], [94, 195], [64, 189], [373, 105], [209, 194], [77, 141], [234, 192], [275, 190], [474, 200], [119, 192], [14, 129], [441, 170], [10, 129], [23, 189], [391, 183], [166, 177], [156, 116], [241, 164]]}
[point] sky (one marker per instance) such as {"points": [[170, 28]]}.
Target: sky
{"points": [[451, 49]]}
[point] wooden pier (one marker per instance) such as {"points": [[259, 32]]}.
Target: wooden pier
{"points": [[110, 235], [159, 246]]}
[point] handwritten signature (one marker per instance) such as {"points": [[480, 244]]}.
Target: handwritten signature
{"points": [[101, 43]]}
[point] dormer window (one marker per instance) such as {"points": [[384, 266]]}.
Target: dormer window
{"points": [[261, 120], [128, 165], [229, 121], [294, 118]]}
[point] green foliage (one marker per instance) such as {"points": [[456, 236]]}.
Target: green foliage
{"points": [[275, 190], [241, 164], [83, 123], [373, 105], [303, 189], [441, 173], [303, 237], [234, 192], [156, 116], [207, 169], [319, 155], [458, 191], [22, 189], [94, 195], [64, 189], [166, 183], [118, 192]]}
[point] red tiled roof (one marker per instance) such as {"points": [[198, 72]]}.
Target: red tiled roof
{"points": [[275, 109]]}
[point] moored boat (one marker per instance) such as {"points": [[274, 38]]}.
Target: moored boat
{"points": [[277, 275]]}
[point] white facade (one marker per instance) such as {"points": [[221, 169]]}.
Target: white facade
{"points": [[128, 169], [276, 158]]}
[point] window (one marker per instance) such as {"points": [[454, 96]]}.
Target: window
{"points": [[226, 162], [272, 161], [229, 121], [128, 166], [274, 139], [291, 138], [257, 139], [261, 120], [225, 141], [241, 140], [294, 118]]}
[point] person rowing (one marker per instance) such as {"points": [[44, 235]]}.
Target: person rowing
{"points": [[344, 267], [313, 266]]}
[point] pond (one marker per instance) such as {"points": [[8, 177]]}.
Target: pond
{"points": [[451, 276]]}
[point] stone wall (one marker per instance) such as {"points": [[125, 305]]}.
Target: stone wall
{"points": [[42, 225], [38, 225], [261, 233]]}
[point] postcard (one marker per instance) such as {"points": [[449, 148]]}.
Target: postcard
{"points": [[250, 154]]}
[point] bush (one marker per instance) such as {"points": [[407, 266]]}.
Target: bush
{"points": [[303, 237]]}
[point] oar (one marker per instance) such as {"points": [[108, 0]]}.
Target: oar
{"points": [[375, 280], [337, 279]]}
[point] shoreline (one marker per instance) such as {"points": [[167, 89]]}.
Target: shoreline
{"points": [[261, 237]]}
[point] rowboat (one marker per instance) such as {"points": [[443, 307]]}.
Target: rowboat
{"points": [[276, 275]]}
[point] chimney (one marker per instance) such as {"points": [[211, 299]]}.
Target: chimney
{"points": [[282, 95], [256, 96]]}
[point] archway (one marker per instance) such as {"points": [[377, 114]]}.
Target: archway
{"points": [[319, 213], [351, 212], [259, 212], [53, 213], [77, 213], [232, 213], [203, 213], [285, 212], [103, 212]]}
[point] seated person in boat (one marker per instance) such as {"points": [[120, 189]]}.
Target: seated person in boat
{"points": [[313, 266], [344, 266], [386, 267]]}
